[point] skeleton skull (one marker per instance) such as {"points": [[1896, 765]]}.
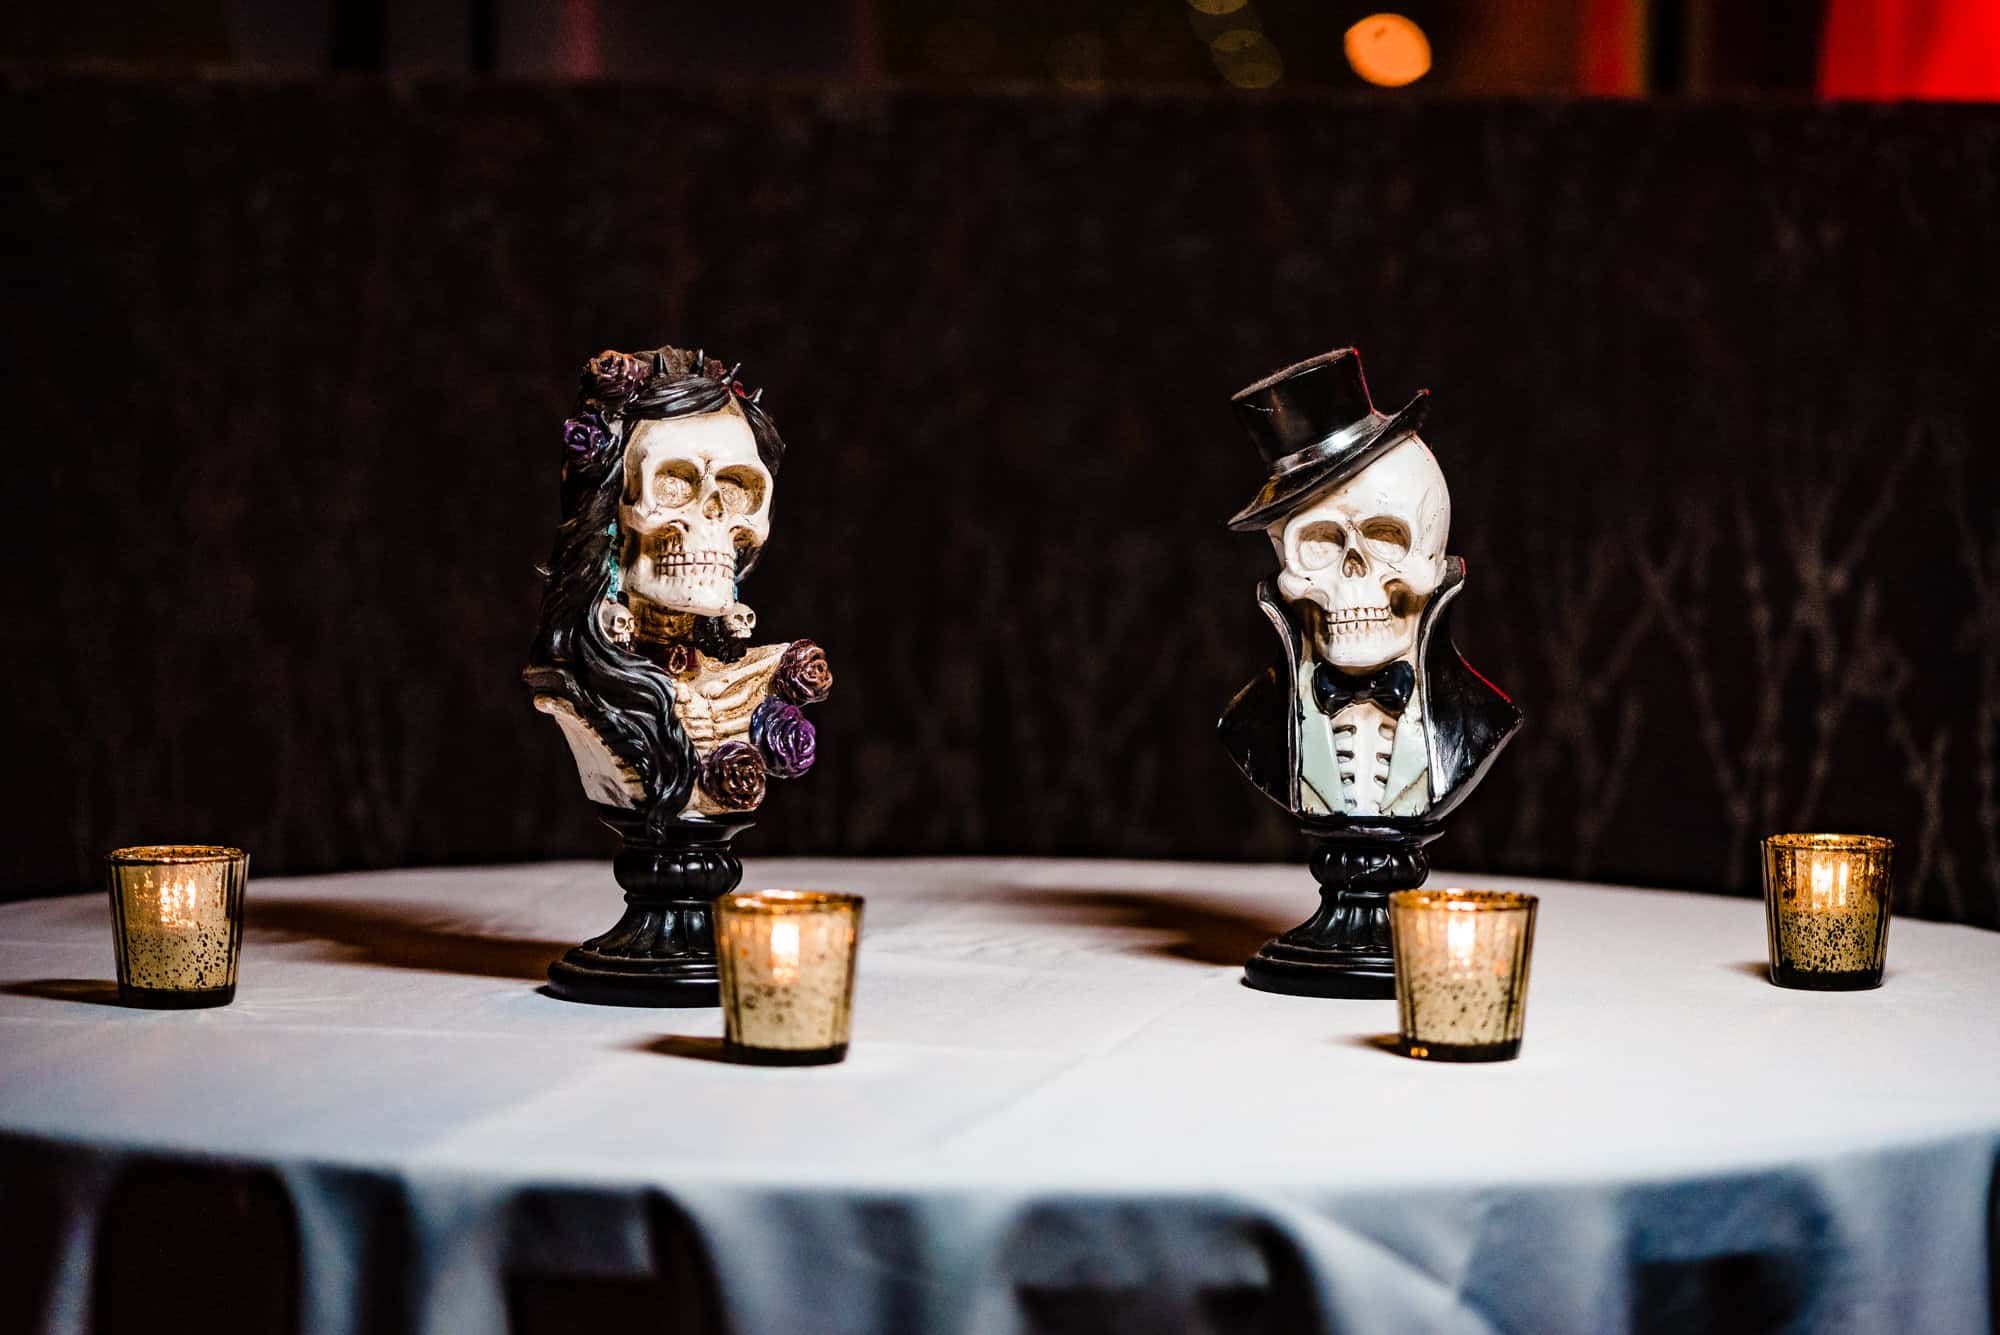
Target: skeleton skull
{"points": [[1364, 557], [616, 620], [740, 620], [696, 499]]}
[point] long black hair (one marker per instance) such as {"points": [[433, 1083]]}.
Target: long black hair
{"points": [[625, 698]]}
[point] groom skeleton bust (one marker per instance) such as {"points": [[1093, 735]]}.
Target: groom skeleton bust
{"points": [[1370, 715]]}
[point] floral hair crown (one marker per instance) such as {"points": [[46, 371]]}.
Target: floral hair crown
{"points": [[611, 379]]}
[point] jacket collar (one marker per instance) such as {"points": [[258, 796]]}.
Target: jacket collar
{"points": [[1297, 652]]}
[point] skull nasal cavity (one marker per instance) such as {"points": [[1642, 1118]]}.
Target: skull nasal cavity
{"points": [[712, 507], [1353, 564]]}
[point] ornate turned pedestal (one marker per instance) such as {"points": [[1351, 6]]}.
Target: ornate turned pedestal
{"points": [[1343, 949], [662, 950]]}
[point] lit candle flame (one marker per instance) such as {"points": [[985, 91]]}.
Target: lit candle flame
{"points": [[784, 951], [1829, 883], [177, 903], [1460, 935]]}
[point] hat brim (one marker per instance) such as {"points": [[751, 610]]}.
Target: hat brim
{"points": [[1299, 476]]}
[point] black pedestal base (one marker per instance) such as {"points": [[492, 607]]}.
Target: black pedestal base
{"points": [[1343, 949], [662, 950], [1306, 971], [584, 975]]}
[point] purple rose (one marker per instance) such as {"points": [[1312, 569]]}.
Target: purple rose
{"points": [[786, 737], [803, 676], [733, 776], [616, 375], [584, 434]]}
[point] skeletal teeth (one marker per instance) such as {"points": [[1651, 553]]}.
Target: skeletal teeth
{"points": [[711, 564]]}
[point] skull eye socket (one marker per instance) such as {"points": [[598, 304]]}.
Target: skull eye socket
{"points": [[1388, 539], [741, 490], [1320, 545], [674, 485]]}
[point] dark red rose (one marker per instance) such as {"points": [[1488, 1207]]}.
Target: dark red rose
{"points": [[616, 375], [734, 776], [803, 676]]}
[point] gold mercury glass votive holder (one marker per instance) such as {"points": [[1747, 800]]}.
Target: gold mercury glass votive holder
{"points": [[177, 922], [1462, 972], [787, 960], [1826, 909]]}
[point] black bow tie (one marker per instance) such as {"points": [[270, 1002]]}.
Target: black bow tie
{"points": [[1389, 687]]}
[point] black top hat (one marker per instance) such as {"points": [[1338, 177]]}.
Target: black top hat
{"points": [[1315, 425]]}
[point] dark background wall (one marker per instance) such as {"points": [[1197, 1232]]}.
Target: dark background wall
{"points": [[284, 364]]}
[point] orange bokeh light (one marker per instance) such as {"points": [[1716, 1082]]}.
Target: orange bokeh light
{"points": [[1388, 50]]}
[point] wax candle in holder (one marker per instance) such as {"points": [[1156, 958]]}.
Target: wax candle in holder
{"points": [[1461, 972], [177, 920], [1826, 909], [787, 960]]}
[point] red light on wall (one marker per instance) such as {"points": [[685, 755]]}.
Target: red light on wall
{"points": [[1892, 49]]}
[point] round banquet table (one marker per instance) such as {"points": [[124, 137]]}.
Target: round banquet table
{"points": [[1062, 1111]]}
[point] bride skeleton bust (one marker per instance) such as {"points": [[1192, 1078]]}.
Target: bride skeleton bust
{"points": [[668, 480], [675, 721]]}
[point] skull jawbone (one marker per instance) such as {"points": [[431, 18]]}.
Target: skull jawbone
{"points": [[1365, 649], [1360, 647]]}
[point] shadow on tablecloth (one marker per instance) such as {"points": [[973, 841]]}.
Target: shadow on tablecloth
{"points": [[1191, 928], [691, 1046], [92, 991], [400, 936]]}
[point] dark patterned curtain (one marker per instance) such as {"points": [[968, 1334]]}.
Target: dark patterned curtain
{"points": [[1716, 389]]}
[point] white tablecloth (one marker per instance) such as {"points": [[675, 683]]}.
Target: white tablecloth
{"points": [[1060, 1099]]}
